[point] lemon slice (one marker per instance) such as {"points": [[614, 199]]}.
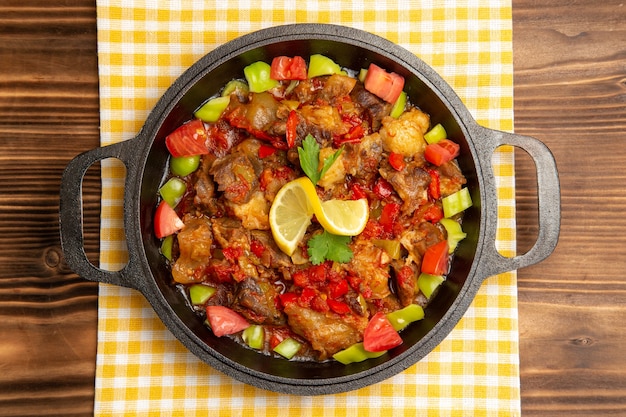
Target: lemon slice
{"points": [[344, 217], [291, 212], [295, 204]]}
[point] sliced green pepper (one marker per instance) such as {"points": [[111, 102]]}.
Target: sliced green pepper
{"points": [[254, 336], [456, 203], [398, 106], [172, 191], [200, 293], [362, 74], [166, 247], [392, 247], [428, 283], [258, 77], [288, 348], [184, 165], [322, 65], [435, 134], [235, 85], [401, 318], [355, 353], [212, 109], [454, 232]]}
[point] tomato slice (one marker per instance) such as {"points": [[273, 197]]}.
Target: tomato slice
{"points": [[380, 335], [166, 221], [224, 321], [386, 85], [435, 260], [189, 139], [287, 68], [441, 152]]}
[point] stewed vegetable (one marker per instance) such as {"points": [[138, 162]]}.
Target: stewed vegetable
{"points": [[311, 213]]}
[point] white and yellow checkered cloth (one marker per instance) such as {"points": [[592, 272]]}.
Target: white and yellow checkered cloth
{"points": [[143, 47]]}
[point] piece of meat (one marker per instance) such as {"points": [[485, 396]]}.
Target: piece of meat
{"points": [[204, 187], [254, 213], [337, 86], [417, 240], [361, 159], [326, 332], [194, 243], [235, 177], [411, 184], [256, 300], [451, 179], [375, 108], [229, 233], [370, 264], [406, 281], [271, 256]]}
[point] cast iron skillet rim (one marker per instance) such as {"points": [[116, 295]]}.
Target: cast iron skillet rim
{"points": [[172, 97]]}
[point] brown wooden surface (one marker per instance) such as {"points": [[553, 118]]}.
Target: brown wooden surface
{"points": [[570, 92]]}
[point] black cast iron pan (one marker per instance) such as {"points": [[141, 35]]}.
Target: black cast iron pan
{"points": [[145, 158]]}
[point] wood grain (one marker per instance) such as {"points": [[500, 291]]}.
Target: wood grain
{"points": [[48, 114], [570, 92]]}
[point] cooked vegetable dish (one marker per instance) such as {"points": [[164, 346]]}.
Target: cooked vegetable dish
{"points": [[311, 211]]}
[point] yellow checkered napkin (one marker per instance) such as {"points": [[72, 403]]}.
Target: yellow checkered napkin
{"points": [[143, 47]]}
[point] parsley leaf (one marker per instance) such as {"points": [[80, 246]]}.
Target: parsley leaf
{"points": [[326, 246], [309, 154]]}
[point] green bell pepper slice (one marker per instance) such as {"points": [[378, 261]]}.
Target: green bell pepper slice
{"points": [[166, 247], [436, 134], [235, 85], [322, 65], [184, 165], [355, 353], [428, 283], [212, 110], [254, 336], [258, 77], [401, 318], [454, 231], [200, 293], [288, 348], [172, 191], [398, 106], [456, 203]]}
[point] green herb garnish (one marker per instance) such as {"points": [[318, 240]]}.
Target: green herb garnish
{"points": [[309, 154], [326, 246]]}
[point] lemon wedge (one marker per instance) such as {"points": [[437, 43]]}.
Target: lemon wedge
{"points": [[344, 217], [295, 204], [291, 212]]}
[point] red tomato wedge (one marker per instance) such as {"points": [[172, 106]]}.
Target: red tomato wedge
{"points": [[225, 321], [287, 68], [441, 152], [380, 335], [166, 221], [189, 139], [386, 85], [435, 260]]}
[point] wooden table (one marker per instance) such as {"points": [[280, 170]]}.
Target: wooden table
{"points": [[570, 92]]}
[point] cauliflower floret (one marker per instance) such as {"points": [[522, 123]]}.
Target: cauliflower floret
{"points": [[336, 173], [405, 135]]}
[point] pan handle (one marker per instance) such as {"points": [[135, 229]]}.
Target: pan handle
{"points": [[71, 215], [549, 201]]}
